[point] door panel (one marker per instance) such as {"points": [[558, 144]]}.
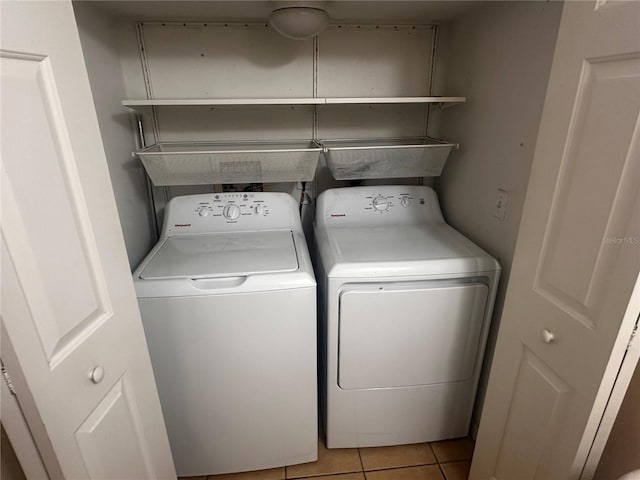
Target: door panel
{"points": [[115, 418], [539, 399], [593, 191], [66, 261], [395, 336]]}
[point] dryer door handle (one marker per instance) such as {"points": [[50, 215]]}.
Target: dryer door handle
{"points": [[217, 282]]}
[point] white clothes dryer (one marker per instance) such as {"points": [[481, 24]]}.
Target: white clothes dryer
{"points": [[228, 303], [405, 305]]}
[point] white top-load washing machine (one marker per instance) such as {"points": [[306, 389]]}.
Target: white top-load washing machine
{"points": [[228, 303], [405, 307]]}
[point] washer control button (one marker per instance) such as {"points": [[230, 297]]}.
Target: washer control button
{"points": [[380, 203], [231, 211], [405, 201], [203, 212], [259, 210]]}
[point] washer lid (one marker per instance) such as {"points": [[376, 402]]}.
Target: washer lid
{"points": [[223, 255]]}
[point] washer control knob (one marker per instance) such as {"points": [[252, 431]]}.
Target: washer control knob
{"points": [[259, 210], [380, 203], [203, 212], [405, 201], [231, 211]]}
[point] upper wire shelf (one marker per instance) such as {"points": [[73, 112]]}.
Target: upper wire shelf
{"points": [[166, 102]]}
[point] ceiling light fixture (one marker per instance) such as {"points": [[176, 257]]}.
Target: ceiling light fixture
{"points": [[299, 23]]}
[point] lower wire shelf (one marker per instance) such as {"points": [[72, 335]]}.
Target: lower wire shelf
{"points": [[351, 159], [207, 163], [202, 163]]}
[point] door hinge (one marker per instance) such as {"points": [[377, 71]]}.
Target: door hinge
{"points": [[633, 334], [7, 379]]}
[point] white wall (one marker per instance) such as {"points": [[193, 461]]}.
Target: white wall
{"points": [[200, 60], [235, 60], [498, 56], [100, 45]]}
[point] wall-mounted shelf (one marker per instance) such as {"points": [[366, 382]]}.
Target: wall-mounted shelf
{"points": [[182, 102], [135, 104], [365, 100]]}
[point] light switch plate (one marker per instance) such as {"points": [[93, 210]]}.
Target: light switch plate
{"points": [[500, 210]]}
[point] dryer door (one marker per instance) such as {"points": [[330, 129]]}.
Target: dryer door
{"points": [[409, 334]]}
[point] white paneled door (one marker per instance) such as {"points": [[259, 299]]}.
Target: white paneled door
{"points": [[72, 337], [569, 313]]}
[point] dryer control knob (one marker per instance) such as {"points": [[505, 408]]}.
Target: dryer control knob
{"points": [[203, 212], [405, 201], [259, 210], [231, 211], [380, 203]]}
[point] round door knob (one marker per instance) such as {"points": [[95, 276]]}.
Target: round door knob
{"points": [[380, 203], [231, 211], [97, 374], [548, 336]]}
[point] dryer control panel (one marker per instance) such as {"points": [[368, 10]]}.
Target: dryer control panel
{"points": [[219, 212], [378, 205], [383, 202]]}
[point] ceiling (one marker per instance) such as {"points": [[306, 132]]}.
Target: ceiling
{"points": [[340, 11]]}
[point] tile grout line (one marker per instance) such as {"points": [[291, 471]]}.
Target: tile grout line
{"points": [[364, 474], [433, 452], [362, 470], [412, 465]]}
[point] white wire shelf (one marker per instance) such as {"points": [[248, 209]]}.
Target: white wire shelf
{"points": [[386, 158], [207, 163], [351, 100], [167, 102]]}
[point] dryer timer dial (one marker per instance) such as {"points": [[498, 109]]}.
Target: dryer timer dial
{"points": [[380, 203]]}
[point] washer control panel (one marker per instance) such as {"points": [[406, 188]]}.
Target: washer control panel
{"points": [[225, 211], [231, 206], [376, 205]]}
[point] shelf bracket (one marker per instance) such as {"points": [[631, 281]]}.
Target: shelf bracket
{"points": [[444, 105]]}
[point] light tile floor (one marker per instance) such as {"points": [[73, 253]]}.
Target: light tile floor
{"points": [[446, 460]]}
